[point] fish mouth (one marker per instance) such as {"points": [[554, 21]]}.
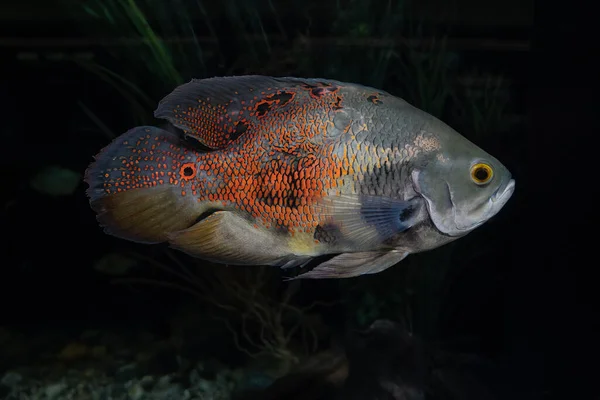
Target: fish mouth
{"points": [[498, 199], [502, 194]]}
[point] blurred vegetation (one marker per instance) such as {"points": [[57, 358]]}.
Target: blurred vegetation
{"points": [[365, 43], [162, 50]]}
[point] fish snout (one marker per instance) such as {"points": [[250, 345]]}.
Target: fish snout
{"points": [[504, 192]]}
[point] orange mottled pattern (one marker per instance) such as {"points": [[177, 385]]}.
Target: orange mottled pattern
{"points": [[152, 161], [273, 159]]}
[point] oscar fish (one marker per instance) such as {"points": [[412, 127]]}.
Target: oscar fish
{"points": [[258, 170]]}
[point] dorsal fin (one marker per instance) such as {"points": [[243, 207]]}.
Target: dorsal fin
{"points": [[216, 111]]}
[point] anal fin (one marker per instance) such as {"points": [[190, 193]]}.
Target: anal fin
{"points": [[228, 238]]}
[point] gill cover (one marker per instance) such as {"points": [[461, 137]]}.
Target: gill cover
{"points": [[438, 199]]}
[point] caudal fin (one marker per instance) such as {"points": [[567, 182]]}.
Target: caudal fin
{"points": [[143, 185]]}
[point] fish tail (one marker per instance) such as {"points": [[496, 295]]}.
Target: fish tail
{"points": [[142, 185]]}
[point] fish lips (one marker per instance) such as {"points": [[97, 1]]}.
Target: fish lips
{"points": [[498, 199], [503, 193]]}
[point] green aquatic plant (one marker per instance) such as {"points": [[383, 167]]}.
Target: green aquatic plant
{"points": [[372, 29], [131, 19], [266, 321], [153, 43], [155, 46], [482, 105], [426, 74], [137, 100]]}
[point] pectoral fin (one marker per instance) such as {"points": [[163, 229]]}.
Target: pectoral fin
{"points": [[367, 221], [228, 238], [347, 265]]}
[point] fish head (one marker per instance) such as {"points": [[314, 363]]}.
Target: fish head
{"points": [[462, 185]]}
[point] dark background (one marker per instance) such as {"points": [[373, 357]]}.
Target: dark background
{"points": [[524, 300]]}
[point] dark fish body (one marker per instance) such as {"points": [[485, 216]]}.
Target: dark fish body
{"points": [[293, 169]]}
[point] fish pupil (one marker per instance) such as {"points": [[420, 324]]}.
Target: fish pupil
{"points": [[187, 171], [481, 174]]}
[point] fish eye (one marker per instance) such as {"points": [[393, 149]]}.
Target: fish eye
{"points": [[481, 173]]}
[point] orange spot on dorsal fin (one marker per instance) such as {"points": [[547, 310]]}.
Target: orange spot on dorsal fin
{"points": [[217, 111]]}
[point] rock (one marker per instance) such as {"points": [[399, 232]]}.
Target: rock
{"points": [[126, 372], [11, 379], [172, 391], [9, 382], [53, 390], [255, 380], [147, 382], [194, 377], [163, 382], [135, 391]]}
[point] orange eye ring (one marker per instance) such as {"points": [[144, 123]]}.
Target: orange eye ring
{"points": [[187, 171], [481, 173]]}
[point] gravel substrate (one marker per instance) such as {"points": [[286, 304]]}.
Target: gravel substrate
{"points": [[104, 366]]}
